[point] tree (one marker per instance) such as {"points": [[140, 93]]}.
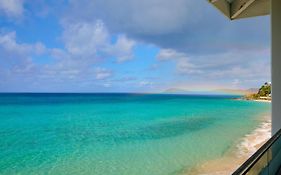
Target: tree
{"points": [[265, 90]]}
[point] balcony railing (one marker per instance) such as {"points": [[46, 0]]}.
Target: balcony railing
{"points": [[266, 161]]}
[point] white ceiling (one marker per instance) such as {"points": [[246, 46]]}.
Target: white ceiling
{"points": [[236, 9]]}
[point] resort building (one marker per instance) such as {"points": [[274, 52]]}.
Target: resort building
{"points": [[267, 160], [267, 83]]}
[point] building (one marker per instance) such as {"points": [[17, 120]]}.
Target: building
{"points": [[267, 83]]}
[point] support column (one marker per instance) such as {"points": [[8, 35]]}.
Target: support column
{"points": [[276, 64]]}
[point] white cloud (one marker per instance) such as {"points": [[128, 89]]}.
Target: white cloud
{"points": [[197, 47], [9, 43], [102, 73], [184, 25], [12, 8], [185, 67], [243, 65], [85, 39], [145, 83], [123, 48], [146, 16], [183, 62], [17, 64], [93, 41], [170, 54], [15, 54]]}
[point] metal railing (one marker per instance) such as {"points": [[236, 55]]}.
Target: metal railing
{"points": [[266, 161]]}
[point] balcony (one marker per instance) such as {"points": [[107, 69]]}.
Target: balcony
{"points": [[266, 161]]}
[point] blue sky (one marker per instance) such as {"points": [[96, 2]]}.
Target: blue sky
{"points": [[128, 46]]}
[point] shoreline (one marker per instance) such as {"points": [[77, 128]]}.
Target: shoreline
{"points": [[263, 101], [238, 154], [257, 100]]}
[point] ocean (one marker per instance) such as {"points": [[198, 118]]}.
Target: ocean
{"points": [[119, 134]]}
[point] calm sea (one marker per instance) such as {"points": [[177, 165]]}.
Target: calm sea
{"points": [[119, 134]]}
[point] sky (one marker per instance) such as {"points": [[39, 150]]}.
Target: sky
{"points": [[129, 46]]}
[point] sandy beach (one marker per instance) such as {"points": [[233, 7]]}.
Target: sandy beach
{"points": [[259, 100], [264, 101], [237, 155]]}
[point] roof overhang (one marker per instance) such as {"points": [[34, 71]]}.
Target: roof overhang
{"points": [[236, 9]]}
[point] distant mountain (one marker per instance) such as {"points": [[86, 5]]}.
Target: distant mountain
{"points": [[217, 91], [177, 91], [236, 91], [253, 90], [184, 91]]}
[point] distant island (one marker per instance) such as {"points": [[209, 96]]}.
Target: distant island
{"points": [[258, 94], [241, 92]]}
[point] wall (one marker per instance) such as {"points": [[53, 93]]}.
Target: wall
{"points": [[276, 64]]}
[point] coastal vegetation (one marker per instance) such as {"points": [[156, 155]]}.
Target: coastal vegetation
{"points": [[264, 93]]}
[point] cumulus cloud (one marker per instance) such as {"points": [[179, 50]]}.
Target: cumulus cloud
{"points": [[183, 25], [170, 54], [185, 67], [122, 49], [84, 39], [12, 8], [200, 42], [183, 63], [245, 65], [18, 65], [85, 45], [8, 42], [146, 17], [92, 40], [13, 53]]}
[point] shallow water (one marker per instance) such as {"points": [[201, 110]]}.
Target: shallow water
{"points": [[119, 134]]}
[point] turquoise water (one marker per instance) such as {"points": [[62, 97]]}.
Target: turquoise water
{"points": [[119, 134]]}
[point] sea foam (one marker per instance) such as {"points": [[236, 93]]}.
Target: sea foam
{"points": [[251, 142]]}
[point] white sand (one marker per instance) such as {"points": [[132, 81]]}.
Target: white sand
{"points": [[264, 101]]}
